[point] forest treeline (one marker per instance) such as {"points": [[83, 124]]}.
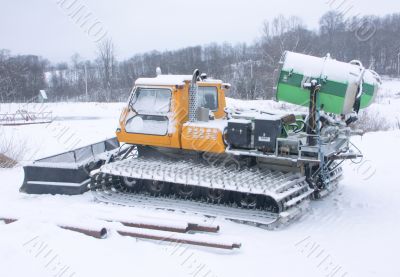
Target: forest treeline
{"points": [[250, 68]]}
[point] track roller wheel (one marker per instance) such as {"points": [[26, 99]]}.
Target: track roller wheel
{"points": [[269, 204], [185, 191], [247, 200], [131, 184], [216, 196], [157, 188]]}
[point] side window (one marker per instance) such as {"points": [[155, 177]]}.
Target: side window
{"points": [[208, 98], [148, 125]]}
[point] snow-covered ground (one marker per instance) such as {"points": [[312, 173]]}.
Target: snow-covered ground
{"points": [[353, 232]]}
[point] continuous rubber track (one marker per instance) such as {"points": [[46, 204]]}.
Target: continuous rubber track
{"points": [[173, 204], [285, 189], [252, 217], [289, 191]]}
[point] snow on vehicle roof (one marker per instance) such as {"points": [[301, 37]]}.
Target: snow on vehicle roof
{"points": [[170, 80], [164, 80]]}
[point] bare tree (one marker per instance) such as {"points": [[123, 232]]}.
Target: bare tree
{"points": [[106, 58], [331, 23]]}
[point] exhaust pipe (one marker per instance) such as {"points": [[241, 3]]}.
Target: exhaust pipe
{"points": [[193, 97]]}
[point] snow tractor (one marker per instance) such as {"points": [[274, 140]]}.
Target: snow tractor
{"points": [[179, 147]]}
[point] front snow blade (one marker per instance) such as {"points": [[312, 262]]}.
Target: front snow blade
{"points": [[67, 173]]}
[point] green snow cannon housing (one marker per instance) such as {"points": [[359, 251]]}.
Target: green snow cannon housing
{"points": [[344, 86]]}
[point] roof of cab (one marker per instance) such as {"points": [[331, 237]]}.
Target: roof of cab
{"points": [[170, 80]]}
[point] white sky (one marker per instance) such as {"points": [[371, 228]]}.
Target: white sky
{"points": [[41, 27]]}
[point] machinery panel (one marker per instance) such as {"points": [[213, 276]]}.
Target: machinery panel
{"points": [[266, 131], [239, 133]]}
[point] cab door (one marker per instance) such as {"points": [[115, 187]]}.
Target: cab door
{"points": [[148, 121]]}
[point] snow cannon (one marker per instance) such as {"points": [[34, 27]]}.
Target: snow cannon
{"points": [[344, 87]]}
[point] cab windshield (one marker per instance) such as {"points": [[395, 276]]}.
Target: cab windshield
{"points": [[155, 101]]}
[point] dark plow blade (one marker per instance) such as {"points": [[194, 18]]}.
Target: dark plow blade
{"points": [[67, 173]]}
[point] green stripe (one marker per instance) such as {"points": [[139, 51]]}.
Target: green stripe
{"points": [[368, 89], [329, 87], [366, 100], [296, 95], [332, 94]]}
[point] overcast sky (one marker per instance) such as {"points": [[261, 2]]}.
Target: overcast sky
{"points": [[43, 27]]}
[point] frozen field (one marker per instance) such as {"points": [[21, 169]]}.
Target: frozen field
{"points": [[353, 232]]}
